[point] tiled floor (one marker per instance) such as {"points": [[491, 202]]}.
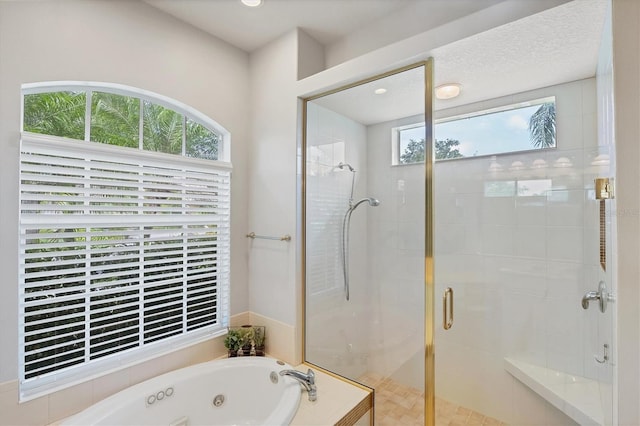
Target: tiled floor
{"points": [[397, 405]]}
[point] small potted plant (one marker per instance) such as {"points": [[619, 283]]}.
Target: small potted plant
{"points": [[233, 341], [246, 336], [247, 340], [258, 340]]}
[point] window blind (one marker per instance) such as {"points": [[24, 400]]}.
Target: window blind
{"points": [[124, 254]]}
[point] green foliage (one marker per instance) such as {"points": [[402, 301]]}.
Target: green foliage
{"points": [[201, 142], [542, 126], [447, 149], [258, 336], [162, 129], [414, 152], [115, 119], [58, 114], [234, 340], [245, 336]]}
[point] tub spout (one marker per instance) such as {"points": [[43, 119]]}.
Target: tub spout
{"points": [[308, 380]]}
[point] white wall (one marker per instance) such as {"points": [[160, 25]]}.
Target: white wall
{"points": [[272, 179], [123, 42]]}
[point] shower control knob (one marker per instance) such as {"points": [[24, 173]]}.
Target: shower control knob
{"points": [[602, 296]]}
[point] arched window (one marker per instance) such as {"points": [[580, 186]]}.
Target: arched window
{"points": [[124, 230]]}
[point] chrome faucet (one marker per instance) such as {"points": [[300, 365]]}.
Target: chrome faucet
{"points": [[589, 296], [307, 380]]}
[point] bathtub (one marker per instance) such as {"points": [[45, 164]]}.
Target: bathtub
{"points": [[232, 391]]}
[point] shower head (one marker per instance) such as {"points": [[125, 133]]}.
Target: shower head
{"points": [[373, 202], [342, 165]]}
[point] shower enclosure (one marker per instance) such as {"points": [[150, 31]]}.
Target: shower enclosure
{"points": [[455, 289]]}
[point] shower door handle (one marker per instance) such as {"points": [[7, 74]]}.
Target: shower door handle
{"points": [[447, 308]]}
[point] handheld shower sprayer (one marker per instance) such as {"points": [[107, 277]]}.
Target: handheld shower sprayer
{"points": [[346, 224]]}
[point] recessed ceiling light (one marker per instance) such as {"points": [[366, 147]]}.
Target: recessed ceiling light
{"points": [[251, 3], [380, 91], [448, 91]]}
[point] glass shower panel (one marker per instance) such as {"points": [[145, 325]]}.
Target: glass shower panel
{"points": [[517, 239], [365, 242]]}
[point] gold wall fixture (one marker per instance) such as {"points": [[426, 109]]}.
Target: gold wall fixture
{"points": [[604, 188], [447, 309], [604, 191]]}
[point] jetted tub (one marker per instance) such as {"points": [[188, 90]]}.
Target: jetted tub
{"points": [[233, 391]]}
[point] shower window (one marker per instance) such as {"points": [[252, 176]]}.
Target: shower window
{"points": [[124, 252], [512, 128]]}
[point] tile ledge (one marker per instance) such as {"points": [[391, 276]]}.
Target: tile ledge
{"points": [[577, 397], [339, 402]]}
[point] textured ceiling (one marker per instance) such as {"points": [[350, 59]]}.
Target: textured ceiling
{"points": [[555, 46], [552, 47]]}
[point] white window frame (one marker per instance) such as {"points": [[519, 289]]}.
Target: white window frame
{"points": [[40, 152], [395, 142], [395, 131], [224, 151]]}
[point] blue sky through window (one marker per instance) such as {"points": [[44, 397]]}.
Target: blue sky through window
{"points": [[487, 134], [490, 133]]}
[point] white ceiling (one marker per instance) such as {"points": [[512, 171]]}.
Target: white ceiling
{"points": [[327, 21], [555, 46]]}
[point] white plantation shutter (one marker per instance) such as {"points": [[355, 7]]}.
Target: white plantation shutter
{"points": [[124, 254]]}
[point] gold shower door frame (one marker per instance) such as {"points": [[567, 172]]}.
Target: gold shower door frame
{"points": [[429, 317]]}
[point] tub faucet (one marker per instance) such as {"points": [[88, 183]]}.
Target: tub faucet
{"points": [[307, 380]]}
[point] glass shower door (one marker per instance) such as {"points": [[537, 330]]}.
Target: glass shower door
{"points": [[520, 239]]}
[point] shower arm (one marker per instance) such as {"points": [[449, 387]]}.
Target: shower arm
{"points": [[341, 166]]}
